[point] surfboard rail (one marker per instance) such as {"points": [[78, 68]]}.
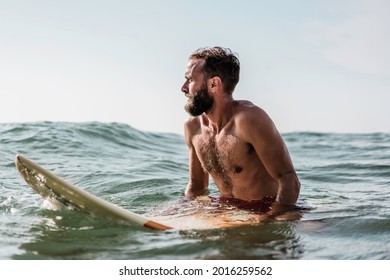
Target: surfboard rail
{"points": [[49, 185]]}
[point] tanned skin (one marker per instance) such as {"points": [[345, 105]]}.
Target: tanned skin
{"points": [[238, 145]]}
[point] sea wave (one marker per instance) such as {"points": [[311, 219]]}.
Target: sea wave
{"points": [[345, 187]]}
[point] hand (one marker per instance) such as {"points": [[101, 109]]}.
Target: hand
{"points": [[278, 208], [281, 212]]}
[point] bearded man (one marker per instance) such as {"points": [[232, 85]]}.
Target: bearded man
{"points": [[233, 141]]}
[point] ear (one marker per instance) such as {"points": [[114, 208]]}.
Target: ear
{"points": [[214, 84]]}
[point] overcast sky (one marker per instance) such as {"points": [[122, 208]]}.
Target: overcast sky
{"points": [[312, 65]]}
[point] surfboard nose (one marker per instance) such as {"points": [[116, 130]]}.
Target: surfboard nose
{"points": [[18, 162], [20, 165]]}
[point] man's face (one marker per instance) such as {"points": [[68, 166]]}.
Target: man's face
{"points": [[195, 88]]}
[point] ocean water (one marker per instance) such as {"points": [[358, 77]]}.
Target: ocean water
{"points": [[345, 191]]}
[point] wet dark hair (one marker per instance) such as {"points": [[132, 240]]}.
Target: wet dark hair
{"points": [[221, 62]]}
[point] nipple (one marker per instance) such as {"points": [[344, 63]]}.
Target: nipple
{"points": [[237, 170]]}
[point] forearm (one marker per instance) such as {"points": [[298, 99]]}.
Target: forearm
{"points": [[289, 187], [286, 198]]}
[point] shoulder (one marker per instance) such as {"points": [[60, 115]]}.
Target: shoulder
{"points": [[191, 128], [191, 125], [248, 113], [251, 120]]}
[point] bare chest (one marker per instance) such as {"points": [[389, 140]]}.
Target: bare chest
{"points": [[222, 155]]}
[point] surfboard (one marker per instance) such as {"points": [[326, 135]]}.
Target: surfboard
{"points": [[205, 212], [52, 187]]}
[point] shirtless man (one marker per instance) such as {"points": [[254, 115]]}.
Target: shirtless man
{"points": [[234, 141]]}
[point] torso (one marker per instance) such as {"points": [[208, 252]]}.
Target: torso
{"points": [[233, 163]]}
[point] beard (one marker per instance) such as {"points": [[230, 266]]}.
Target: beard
{"points": [[199, 103]]}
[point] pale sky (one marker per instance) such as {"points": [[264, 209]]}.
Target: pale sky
{"points": [[312, 65]]}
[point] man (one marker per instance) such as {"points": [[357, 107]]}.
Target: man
{"points": [[233, 141]]}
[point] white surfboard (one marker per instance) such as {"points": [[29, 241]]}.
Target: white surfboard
{"points": [[50, 186], [203, 213]]}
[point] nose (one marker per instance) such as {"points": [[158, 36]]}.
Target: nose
{"points": [[184, 87]]}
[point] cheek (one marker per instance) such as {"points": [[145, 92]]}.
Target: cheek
{"points": [[195, 87], [192, 88]]}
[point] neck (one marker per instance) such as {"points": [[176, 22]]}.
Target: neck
{"points": [[221, 113]]}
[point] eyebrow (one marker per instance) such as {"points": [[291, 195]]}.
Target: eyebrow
{"points": [[187, 75]]}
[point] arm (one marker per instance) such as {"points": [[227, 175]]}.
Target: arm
{"points": [[257, 128], [198, 178]]}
